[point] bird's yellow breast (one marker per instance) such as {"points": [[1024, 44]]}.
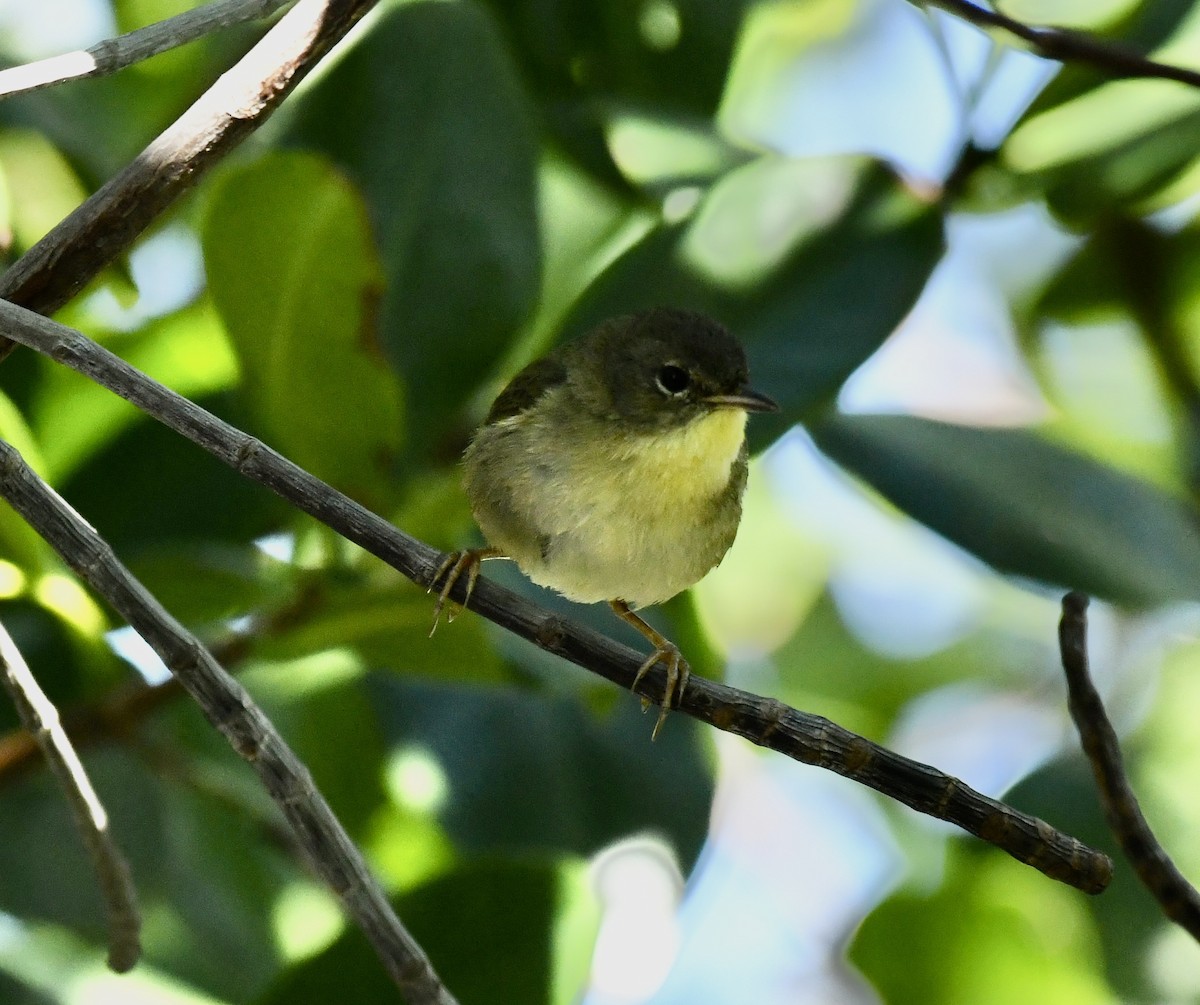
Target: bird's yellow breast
{"points": [[598, 514], [669, 470]]}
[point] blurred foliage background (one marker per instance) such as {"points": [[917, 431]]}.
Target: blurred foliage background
{"points": [[970, 275]]}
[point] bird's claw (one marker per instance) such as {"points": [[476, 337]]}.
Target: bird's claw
{"points": [[452, 568], [678, 673]]}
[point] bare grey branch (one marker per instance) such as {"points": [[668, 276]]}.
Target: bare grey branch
{"points": [[104, 227], [115, 54]]}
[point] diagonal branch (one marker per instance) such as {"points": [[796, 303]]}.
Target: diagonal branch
{"points": [[1066, 46], [768, 723], [229, 707], [1179, 899], [50, 273], [40, 717], [115, 54]]}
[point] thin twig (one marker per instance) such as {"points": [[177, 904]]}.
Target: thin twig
{"points": [[1179, 900], [40, 717], [229, 707], [115, 54], [1065, 46], [64, 261], [768, 723]]}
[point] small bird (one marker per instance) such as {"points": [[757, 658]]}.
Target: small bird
{"points": [[613, 469]]}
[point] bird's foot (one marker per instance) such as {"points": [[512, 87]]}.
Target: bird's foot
{"points": [[678, 673], [666, 652], [452, 569]]}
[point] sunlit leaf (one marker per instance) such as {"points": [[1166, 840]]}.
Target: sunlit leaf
{"points": [[996, 932], [76, 417], [294, 274], [1114, 145], [1081, 14], [442, 144], [19, 543], [41, 181]]}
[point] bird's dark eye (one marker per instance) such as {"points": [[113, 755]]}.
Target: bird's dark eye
{"points": [[673, 379]]}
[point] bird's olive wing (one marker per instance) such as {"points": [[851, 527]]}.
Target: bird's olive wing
{"points": [[526, 388]]}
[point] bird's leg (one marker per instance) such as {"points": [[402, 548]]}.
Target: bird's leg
{"points": [[452, 568], [678, 670]]}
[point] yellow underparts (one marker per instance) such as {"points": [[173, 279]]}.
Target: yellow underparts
{"points": [[635, 520]]}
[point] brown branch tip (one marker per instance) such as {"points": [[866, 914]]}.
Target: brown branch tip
{"points": [[1153, 866]]}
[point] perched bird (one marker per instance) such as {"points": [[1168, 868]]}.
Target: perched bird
{"points": [[613, 469]]}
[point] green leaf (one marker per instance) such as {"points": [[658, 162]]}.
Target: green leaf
{"points": [[442, 142], [486, 927], [995, 933], [18, 993], [294, 275], [488, 763], [76, 417], [1081, 14], [1109, 147], [20, 543], [146, 489], [44, 183], [801, 312], [45, 874], [388, 627], [587, 60], [68, 655], [207, 582], [1127, 918], [662, 57], [217, 872], [1027, 506]]}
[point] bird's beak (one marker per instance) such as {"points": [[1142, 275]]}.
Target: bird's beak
{"points": [[746, 399]]}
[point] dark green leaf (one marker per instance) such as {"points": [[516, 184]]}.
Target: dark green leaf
{"points": [[217, 878], [487, 928], [427, 114], [1027, 506], [44, 872], [322, 708], [15, 993], [587, 60], [491, 742], [71, 665], [147, 488], [389, 629], [295, 277], [204, 583], [806, 319]]}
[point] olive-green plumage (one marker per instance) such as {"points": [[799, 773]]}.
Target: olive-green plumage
{"points": [[613, 469]]}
